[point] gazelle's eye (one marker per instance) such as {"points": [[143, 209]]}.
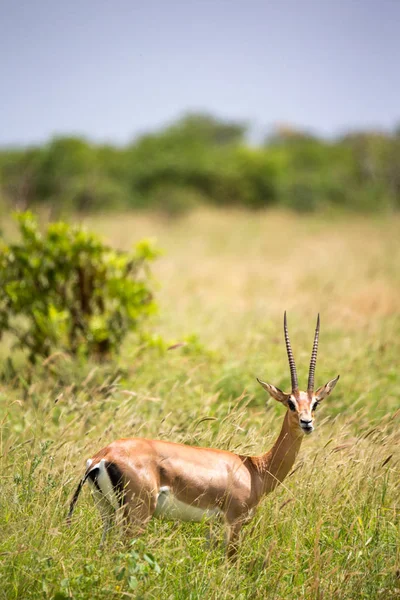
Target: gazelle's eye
{"points": [[291, 405], [315, 406]]}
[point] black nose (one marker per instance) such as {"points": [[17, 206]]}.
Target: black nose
{"points": [[305, 422]]}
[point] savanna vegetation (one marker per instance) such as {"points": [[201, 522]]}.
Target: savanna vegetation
{"points": [[64, 289], [225, 277], [203, 160]]}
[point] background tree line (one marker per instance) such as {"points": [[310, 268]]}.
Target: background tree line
{"points": [[201, 159]]}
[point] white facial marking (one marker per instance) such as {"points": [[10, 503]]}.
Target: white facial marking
{"points": [[169, 507]]}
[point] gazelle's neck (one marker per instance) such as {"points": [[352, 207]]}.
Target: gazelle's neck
{"points": [[274, 465]]}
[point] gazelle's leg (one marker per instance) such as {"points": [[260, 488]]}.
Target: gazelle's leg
{"points": [[212, 533], [108, 521], [137, 511], [232, 538], [106, 510]]}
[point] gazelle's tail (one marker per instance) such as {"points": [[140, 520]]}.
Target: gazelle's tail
{"points": [[75, 497], [108, 479]]}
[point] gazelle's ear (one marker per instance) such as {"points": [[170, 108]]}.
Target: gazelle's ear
{"points": [[326, 389], [274, 391]]}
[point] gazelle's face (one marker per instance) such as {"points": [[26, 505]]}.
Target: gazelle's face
{"points": [[302, 410], [301, 405]]}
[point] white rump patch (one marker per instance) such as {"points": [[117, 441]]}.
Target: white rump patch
{"points": [[104, 483], [169, 507]]}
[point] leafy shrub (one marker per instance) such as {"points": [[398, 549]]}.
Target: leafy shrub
{"points": [[202, 158], [135, 566], [175, 201], [302, 195], [245, 177], [125, 575], [91, 193], [65, 288]]}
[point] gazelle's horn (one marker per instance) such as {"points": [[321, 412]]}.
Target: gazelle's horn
{"points": [[313, 361], [292, 365]]}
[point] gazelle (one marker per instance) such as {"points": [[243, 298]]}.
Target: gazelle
{"points": [[151, 478]]}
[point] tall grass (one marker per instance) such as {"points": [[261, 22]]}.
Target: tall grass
{"points": [[332, 529]]}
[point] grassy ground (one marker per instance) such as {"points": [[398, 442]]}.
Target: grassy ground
{"points": [[332, 529]]}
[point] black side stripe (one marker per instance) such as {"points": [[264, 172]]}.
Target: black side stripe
{"points": [[117, 481], [92, 475]]}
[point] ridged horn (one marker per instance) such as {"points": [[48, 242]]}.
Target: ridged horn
{"points": [[292, 364], [313, 361]]}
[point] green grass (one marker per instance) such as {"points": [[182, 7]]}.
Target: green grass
{"points": [[332, 529]]}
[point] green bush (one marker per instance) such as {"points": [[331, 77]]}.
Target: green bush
{"points": [[245, 177], [86, 194], [174, 200], [65, 289], [202, 159]]}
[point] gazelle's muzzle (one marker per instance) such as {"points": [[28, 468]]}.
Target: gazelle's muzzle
{"points": [[306, 423]]}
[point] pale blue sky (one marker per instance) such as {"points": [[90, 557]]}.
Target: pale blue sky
{"points": [[112, 69]]}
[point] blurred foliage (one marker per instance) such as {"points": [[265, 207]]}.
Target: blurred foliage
{"points": [[65, 288], [202, 159]]}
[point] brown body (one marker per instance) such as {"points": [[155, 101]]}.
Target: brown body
{"points": [[204, 478], [145, 478]]}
